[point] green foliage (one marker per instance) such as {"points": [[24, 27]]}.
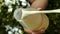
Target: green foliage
{"points": [[54, 24], [6, 18], [54, 18], [53, 4]]}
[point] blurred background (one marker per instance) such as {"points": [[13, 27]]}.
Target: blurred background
{"points": [[8, 25]]}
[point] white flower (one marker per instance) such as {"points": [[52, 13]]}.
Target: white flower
{"points": [[16, 33], [13, 1], [8, 27], [22, 0], [9, 32], [15, 28], [10, 8], [24, 3], [21, 32], [7, 2]]}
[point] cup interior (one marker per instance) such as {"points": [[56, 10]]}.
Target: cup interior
{"points": [[18, 14]]}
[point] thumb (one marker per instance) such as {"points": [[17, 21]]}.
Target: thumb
{"points": [[39, 9]]}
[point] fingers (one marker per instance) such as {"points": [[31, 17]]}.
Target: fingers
{"points": [[35, 32], [28, 31], [39, 9], [42, 30], [39, 4], [31, 1]]}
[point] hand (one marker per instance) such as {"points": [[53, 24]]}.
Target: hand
{"points": [[35, 32], [39, 4]]}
